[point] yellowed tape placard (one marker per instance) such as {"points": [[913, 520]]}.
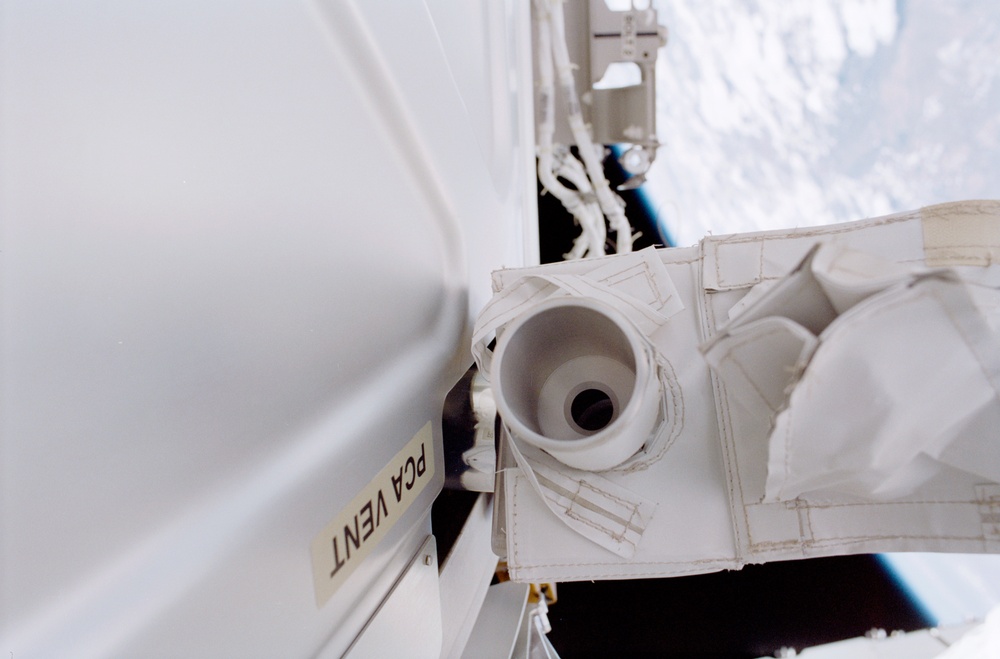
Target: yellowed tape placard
{"points": [[341, 547], [962, 233]]}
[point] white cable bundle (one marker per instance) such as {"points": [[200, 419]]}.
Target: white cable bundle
{"points": [[591, 239], [589, 181]]}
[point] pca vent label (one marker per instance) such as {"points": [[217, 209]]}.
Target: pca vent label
{"points": [[341, 547]]}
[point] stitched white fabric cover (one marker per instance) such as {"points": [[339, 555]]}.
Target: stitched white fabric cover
{"points": [[850, 407]]}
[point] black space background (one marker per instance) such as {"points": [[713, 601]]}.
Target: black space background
{"points": [[749, 613]]}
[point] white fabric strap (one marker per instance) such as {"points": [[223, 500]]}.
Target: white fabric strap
{"points": [[636, 284], [609, 515]]}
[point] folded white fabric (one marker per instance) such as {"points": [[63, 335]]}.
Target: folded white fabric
{"points": [[876, 376]]}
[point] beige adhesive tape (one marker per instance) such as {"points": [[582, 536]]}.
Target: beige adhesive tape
{"points": [[962, 233]]}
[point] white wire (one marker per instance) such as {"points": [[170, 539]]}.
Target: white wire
{"points": [[591, 221], [551, 16], [594, 232]]}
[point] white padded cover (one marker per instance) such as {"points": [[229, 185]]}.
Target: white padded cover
{"points": [[851, 405]]}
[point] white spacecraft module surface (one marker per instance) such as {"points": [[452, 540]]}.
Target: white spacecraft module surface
{"points": [[242, 248], [823, 391]]}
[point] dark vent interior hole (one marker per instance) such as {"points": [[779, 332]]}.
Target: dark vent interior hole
{"points": [[592, 410]]}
